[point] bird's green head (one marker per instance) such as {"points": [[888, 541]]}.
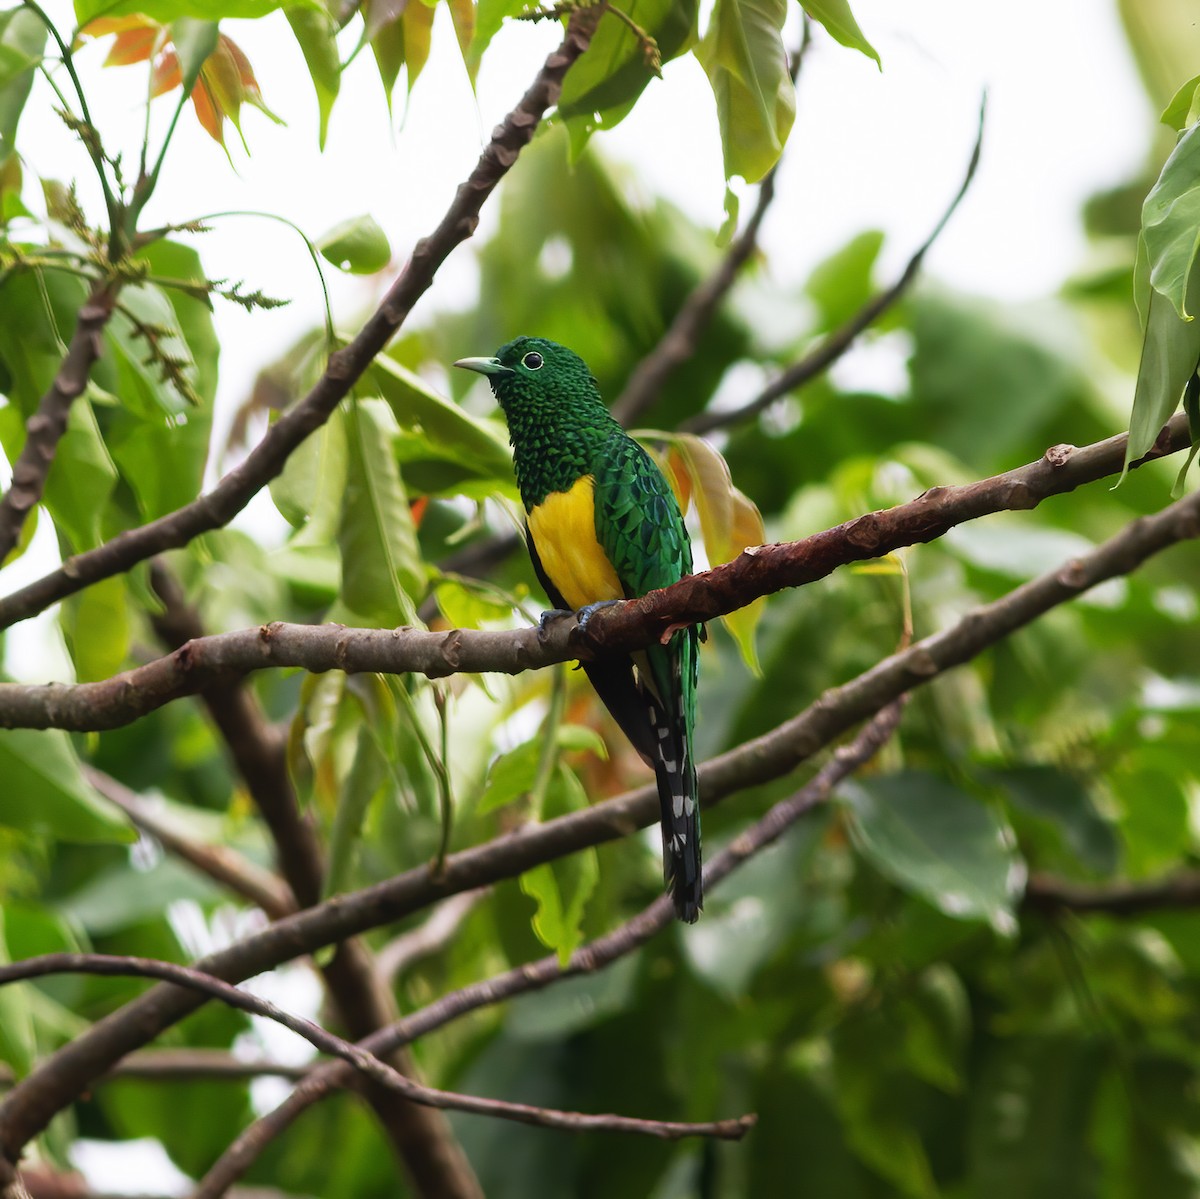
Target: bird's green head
{"points": [[535, 377]]}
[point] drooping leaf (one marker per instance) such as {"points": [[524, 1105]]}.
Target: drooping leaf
{"points": [[316, 33], [1171, 223], [194, 40], [601, 90], [96, 622], [357, 245], [1184, 108], [79, 486], [933, 838], [44, 790], [839, 21], [743, 55], [22, 42], [167, 11], [382, 575]]}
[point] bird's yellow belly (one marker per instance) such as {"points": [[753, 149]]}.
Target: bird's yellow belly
{"points": [[563, 528]]}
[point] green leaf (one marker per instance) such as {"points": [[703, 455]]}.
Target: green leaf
{"points": [[601, 89], [169, 11], [936, 840], [96, 623], [82, 481], [839, 22], [383, 577], [1170, 353], [357, 245], [842, 283], [467, 607], [310, 491], [743, 55], [435, 430], [22, 43], [1184, 108], [562, 888], [45, 792], [489, 16], [1171, 223], [194, 40], [367, 774], [18, 1042], [316, 33]]}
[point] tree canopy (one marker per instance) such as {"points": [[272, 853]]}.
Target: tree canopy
{"points": [[947, 706]]}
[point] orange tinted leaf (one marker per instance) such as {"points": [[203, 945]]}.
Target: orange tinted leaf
{"points": [[207, 112], [133, 45], [103, 26], [166, 74]]}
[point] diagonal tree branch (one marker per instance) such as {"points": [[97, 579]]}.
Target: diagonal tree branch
{"points": [[267, 459], [363, 1061], [44, 429], [823, 356], [1044, 893], [419, 1134], [679, 342], [218, 862], [534, 976], [204, 662], [27, 1109]]}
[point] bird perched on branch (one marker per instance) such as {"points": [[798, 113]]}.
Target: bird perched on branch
{"points": [[604, 525]]}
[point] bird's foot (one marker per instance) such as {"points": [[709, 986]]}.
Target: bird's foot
{"points": [[586, 613], [551, 614]]}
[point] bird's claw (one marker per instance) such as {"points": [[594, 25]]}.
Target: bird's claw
{"points": [[551, 614], [586, 613]]}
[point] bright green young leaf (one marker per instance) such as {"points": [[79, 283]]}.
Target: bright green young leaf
{"points": [[839, 21], [1171, 223], [96, 623], [1184, 108], [383, 578], [602, 88], [316, 33], [310, 490], [168, 11], [367, 774], [162, 460], [489, 16], [938, 841], [22, 43], [469, 607], [842, 283], [18, 1041], [83, 479], [44, 790], [387, 46], [358, 245], [744, 57]]}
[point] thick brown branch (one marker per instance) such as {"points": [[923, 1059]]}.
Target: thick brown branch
{"points": [[210, 661], [267, 459], [824, 355], [533, 976], [218, 862], [45, 427], [364, 1062], [54, 1084]]}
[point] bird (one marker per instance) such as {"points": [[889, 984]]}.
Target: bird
{"points": [[603, 524]]}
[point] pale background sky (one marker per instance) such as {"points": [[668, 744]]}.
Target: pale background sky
{"points": [[1067, 116]]}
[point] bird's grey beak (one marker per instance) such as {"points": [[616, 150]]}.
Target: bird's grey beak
{"points": [[484, 366]]}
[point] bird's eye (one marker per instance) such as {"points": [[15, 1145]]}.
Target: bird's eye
{"points": [[533, 360]]}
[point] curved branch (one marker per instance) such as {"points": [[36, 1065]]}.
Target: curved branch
{"points": [[207, 661], [44, 429], [267, 459], [534, 976], [55, 1083], [1044, 893], [840, 340], [363, 1061]]}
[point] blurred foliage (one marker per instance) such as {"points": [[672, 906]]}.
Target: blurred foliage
{"points": [[872, 985]]}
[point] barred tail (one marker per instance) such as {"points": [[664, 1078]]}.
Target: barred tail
{"points": [[675, 772]]}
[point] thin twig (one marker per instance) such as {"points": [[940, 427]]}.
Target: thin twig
{"points": [[45, 427], [679, 342], [220, 863], [533, 976], [54, 1084], [1044, 893], [840, 340], [110, 965], [400, 954], [268, 458], [205, 662]]}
